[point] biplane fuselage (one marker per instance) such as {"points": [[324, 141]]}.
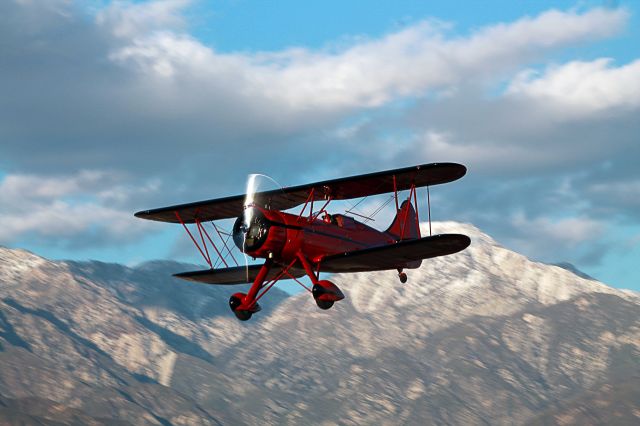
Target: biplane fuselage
{"points": [[285, 235], [297, 245]]}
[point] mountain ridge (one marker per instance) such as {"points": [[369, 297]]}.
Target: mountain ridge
{"points": [[482, 336]]}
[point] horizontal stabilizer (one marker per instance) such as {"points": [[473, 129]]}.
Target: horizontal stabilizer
{"points": [[235, 275], [395, 255]]}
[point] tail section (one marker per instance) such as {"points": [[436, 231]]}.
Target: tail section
{"points": [[405, 224]]}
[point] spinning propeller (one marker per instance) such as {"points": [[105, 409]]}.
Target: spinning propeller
{"points": [[251, 228]]}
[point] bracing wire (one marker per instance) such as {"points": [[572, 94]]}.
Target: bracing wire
{"points": [[379, 209]]}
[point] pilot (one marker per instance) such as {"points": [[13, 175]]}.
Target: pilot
{"points": [[326, 218]]}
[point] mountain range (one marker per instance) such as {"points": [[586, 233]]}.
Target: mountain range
{"points": [[485, 336]]}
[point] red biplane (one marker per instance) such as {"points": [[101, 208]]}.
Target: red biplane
{"points": [[295, 245]]}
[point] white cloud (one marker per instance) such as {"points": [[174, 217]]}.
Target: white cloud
{"points": [[63, 220], [567, 231], [488, 157], [154, 85], [574, 239], [570, 119], [26, 187], [127, 19], [71, 210], [578, 89], [370, 72]]}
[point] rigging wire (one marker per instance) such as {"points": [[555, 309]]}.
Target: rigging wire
{"points": [[379, 209], [219, 261]]}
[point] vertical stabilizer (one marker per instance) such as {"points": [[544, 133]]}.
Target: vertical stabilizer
{"points": [[404, 225]]}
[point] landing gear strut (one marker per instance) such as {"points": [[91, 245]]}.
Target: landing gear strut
{"points": [[245, 305]]}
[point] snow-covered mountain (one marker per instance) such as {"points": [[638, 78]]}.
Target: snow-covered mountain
{"points": [[482, 336]]}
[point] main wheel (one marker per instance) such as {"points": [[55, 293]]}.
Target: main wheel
{"points": [[243, 315], [403, 277], [234, 303], [324, 304], [326, 293]]}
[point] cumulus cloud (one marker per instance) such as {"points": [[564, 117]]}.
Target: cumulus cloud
{"points": [[577, 89], [370, 72], [552, 160], [134, 82], [29, 187], [67, 211], [545, 236], [63, 222], [125, 19], [566, 231]]}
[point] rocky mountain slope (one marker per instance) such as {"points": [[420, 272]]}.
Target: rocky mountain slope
{"points": [[97, 341], [483, 336]]}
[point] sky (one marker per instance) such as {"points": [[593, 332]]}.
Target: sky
{"points": [[110, 107]]}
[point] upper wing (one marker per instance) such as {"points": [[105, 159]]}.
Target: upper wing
{"points": [[286, 198], [396, 255], [235, 275]]}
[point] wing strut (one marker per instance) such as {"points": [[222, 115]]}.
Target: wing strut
{"points": [[204, 250], [205, 256], [429, 207], [225, 243]]}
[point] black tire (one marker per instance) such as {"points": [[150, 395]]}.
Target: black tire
{"points": [[403, 277], [243, 315], [324, 304]]}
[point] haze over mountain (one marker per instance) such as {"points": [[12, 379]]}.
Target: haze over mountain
{"points": [[483, 336]]}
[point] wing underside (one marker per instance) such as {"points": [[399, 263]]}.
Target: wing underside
{"points": [[287, 198], [398, 255], [235, 275]]}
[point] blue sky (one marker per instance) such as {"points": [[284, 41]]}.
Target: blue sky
{"points": [[245, 25], [112, 107]]}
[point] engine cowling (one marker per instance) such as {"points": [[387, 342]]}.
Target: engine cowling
{"points": [[255, 235]]}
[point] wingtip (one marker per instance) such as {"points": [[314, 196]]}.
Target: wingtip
{"points": [[143, 214], [462, 169]]}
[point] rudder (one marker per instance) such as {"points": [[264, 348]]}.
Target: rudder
{"points": [[404, 225]]}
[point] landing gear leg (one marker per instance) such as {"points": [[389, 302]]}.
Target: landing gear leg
{"points": [[245, 305]]}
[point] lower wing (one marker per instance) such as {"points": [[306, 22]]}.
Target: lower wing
{"points": [[404, 254], [236, 275]]}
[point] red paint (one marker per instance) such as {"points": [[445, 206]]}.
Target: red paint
{"points": [[290, 235], [293, 239]]}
